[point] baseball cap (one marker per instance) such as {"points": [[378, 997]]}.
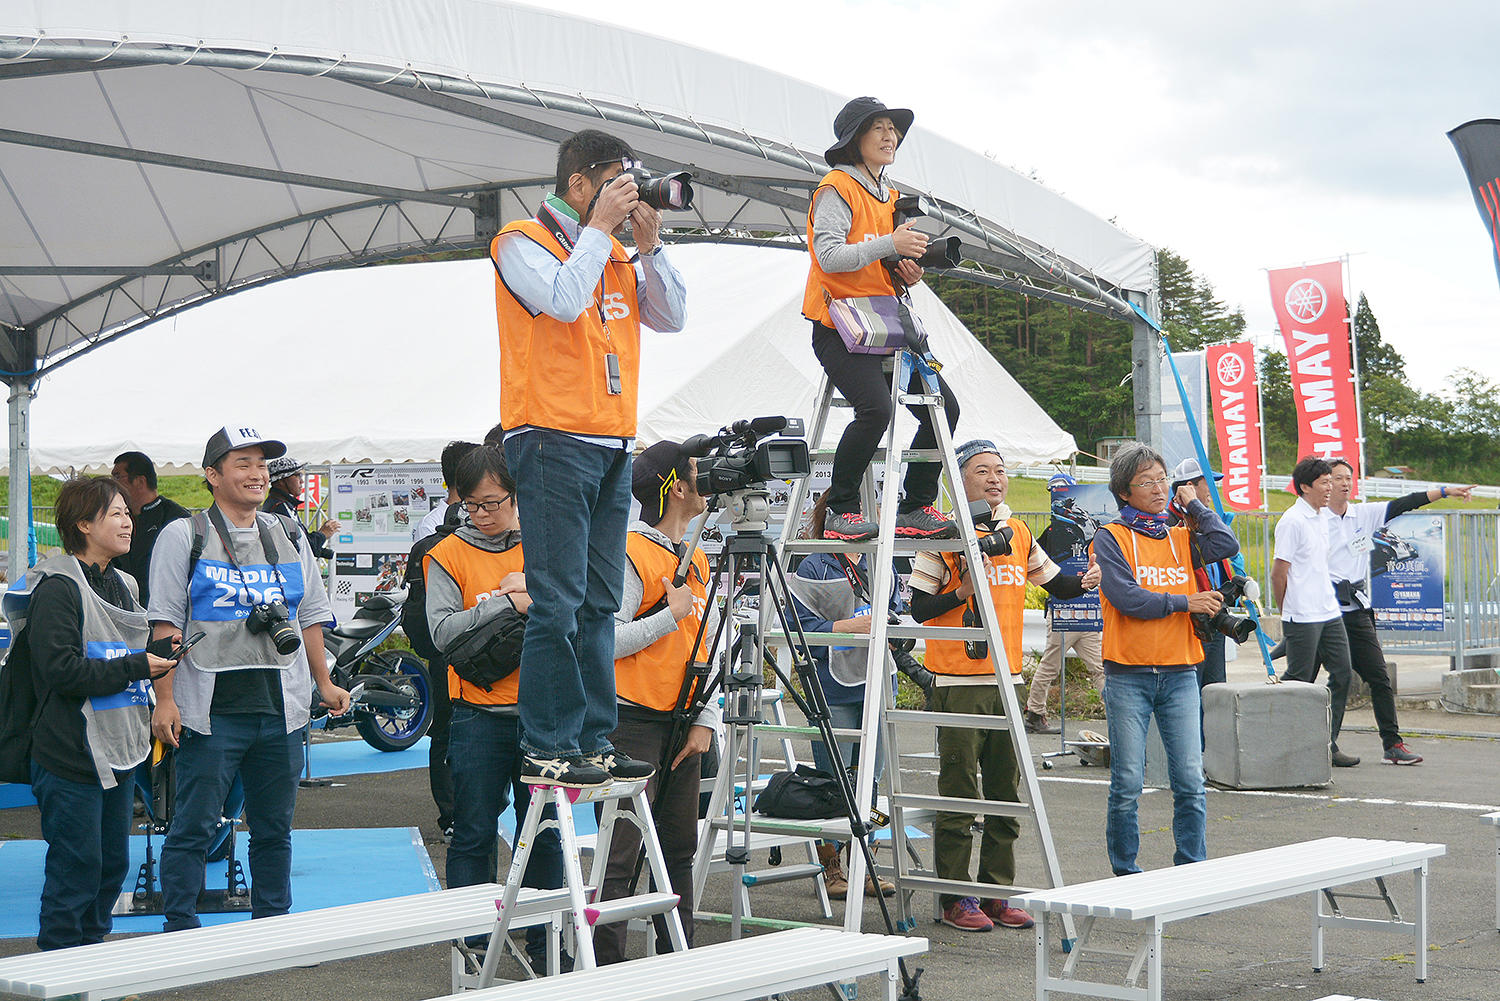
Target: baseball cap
{"points": [[284, 467], [969, 449], [1188, 470], [1059, 480], [229, 438], [652, 475]]}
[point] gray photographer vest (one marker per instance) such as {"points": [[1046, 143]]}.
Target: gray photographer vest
{"points": [[221, 596], [117, 727]]}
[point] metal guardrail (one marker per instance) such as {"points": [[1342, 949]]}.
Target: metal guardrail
{"points": [[1373, 487]]}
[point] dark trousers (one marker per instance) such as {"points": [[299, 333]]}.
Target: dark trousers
{"points": [[1210, 671], [269, 760], [862, 381], [485, 757], [1314, 645], [574, 502], [1368, 661], [438, 775], [975, 764], [644, 737], [87, 830]]}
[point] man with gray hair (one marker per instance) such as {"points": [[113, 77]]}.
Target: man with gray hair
{"points": [[1148, 593]]}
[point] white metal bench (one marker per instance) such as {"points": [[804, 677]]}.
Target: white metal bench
{"points": [[1494, 818], [1345, 997], [1155, 899], [200, 955], [729, 971]]}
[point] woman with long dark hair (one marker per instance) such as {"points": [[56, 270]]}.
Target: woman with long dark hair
{"points": [[851, 231]]}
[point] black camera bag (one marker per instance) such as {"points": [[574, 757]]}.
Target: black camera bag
{"points": [[484, 655], [805, 794]]}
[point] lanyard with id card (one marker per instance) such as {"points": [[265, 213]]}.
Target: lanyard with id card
{"points": [[612, 380]]}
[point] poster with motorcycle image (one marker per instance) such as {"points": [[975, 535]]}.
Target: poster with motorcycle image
{"points": [[377, 505], [1078, 511], [1408, 559]]}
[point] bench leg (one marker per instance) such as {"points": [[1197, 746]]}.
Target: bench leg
{"points": [[1154, 989], [1043, 923], [1419, 919], [892, 980], [1317, 932]]}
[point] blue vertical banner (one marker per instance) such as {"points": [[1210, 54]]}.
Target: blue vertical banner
{"points": [[1078, 510], [1408, 557], [1176, 436]]}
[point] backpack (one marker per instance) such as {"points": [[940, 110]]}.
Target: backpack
{"points": [[805, 794], [293, 530], [19, 711], [414, 611]]}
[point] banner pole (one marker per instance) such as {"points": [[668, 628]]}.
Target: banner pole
{"points": [[1260, 409], [1359, 406]]}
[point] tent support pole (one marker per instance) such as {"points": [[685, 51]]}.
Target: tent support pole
{"points": [[1145, 368], [22, 389]]}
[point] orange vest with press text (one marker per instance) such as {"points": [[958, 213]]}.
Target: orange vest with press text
{"points": [[652, 678], [872, 218], [1164, 566], [552, 374], [477, 573], [1007, 580]]}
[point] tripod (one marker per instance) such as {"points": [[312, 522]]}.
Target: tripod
{"points": [[750, 552]]}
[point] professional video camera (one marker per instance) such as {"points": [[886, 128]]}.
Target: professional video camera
{"points": [[1237, 627], [669, 191], [736, 458], [942, 252]]}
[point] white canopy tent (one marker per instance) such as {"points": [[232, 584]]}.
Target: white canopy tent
{"points": [[159, 153], [390, 363]]}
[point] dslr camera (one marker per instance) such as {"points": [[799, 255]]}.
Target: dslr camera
{"points": [[1237, 627], [942, 252], [274, 619], [669, 191]]}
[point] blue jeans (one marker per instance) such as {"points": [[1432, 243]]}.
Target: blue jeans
{"points": [[484, 758], [1130, 698], [849, 716], [87, 830], [269, 760], [574, 501], [1210, 671]]}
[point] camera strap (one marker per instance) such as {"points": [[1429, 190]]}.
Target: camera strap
{"points": [[858, 583], [267, 541]]}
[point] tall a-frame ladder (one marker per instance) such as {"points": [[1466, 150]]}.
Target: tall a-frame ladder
{"points": [[881, 712]]}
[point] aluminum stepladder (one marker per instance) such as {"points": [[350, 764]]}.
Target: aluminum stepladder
{"points": [[583, 909], [904, 807]]}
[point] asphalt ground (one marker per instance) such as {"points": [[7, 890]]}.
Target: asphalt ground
{"points": [[1256, 952]]}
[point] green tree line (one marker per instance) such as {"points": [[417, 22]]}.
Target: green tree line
{"points": [[1075, 364]]}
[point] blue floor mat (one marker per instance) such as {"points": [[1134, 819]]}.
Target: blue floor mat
{"points": [[329, 868]]}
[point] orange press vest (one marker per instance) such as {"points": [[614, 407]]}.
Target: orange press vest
{"points": [[552, 373], [1164, 566], [652, 678], [1007, 577], [477, 573], [872, 218]]}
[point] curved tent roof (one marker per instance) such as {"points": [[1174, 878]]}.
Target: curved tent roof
{"points": [[390, 363], [158, 152]]}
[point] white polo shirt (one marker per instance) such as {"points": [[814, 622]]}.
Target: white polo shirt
{"points": [[1350, 539], [1302, 541]]}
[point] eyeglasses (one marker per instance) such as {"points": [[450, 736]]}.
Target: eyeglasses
{"points": [[1160, 484], [625, 162], [488, 507]]}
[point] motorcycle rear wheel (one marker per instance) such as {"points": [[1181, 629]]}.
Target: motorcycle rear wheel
{"points": [[387, 729]]}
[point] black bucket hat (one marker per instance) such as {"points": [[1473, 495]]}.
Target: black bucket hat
{"points": [[853, 116]]}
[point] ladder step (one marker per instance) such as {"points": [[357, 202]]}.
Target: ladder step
{"points": [[973, 721], [891, 633], [954, 804], [538, 902], [834, 827], [787, 730], [624, 908], [924, 880], [901, 547], [771, 924], [596, 794], [920, 400], [782, 874], [907, 454]]}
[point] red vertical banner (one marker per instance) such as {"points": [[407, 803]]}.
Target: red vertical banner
{"points": [[1232, 383], [1312, 314]]}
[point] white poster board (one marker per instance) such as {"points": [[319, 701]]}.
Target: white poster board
{"points": [[378, 505]]}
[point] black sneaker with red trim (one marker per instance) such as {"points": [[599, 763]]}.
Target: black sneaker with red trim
{"points": [[849, 526], [925, 523]]}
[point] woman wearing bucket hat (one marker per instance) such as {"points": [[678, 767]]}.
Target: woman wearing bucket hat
{"points": [[850, 229]]}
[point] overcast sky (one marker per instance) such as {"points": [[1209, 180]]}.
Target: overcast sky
{"points": [[1242, 136]]}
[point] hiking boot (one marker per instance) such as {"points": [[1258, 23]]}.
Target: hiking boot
{"points": [[1037, 723], [849, 526], [834, 879], [1342, 760], [576, 773], [1400, 754], [924, 523], [965, 915], [1005, 915], [621, 768]]}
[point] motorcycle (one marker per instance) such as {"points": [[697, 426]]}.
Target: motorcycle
{"points": [[390, 693]]}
